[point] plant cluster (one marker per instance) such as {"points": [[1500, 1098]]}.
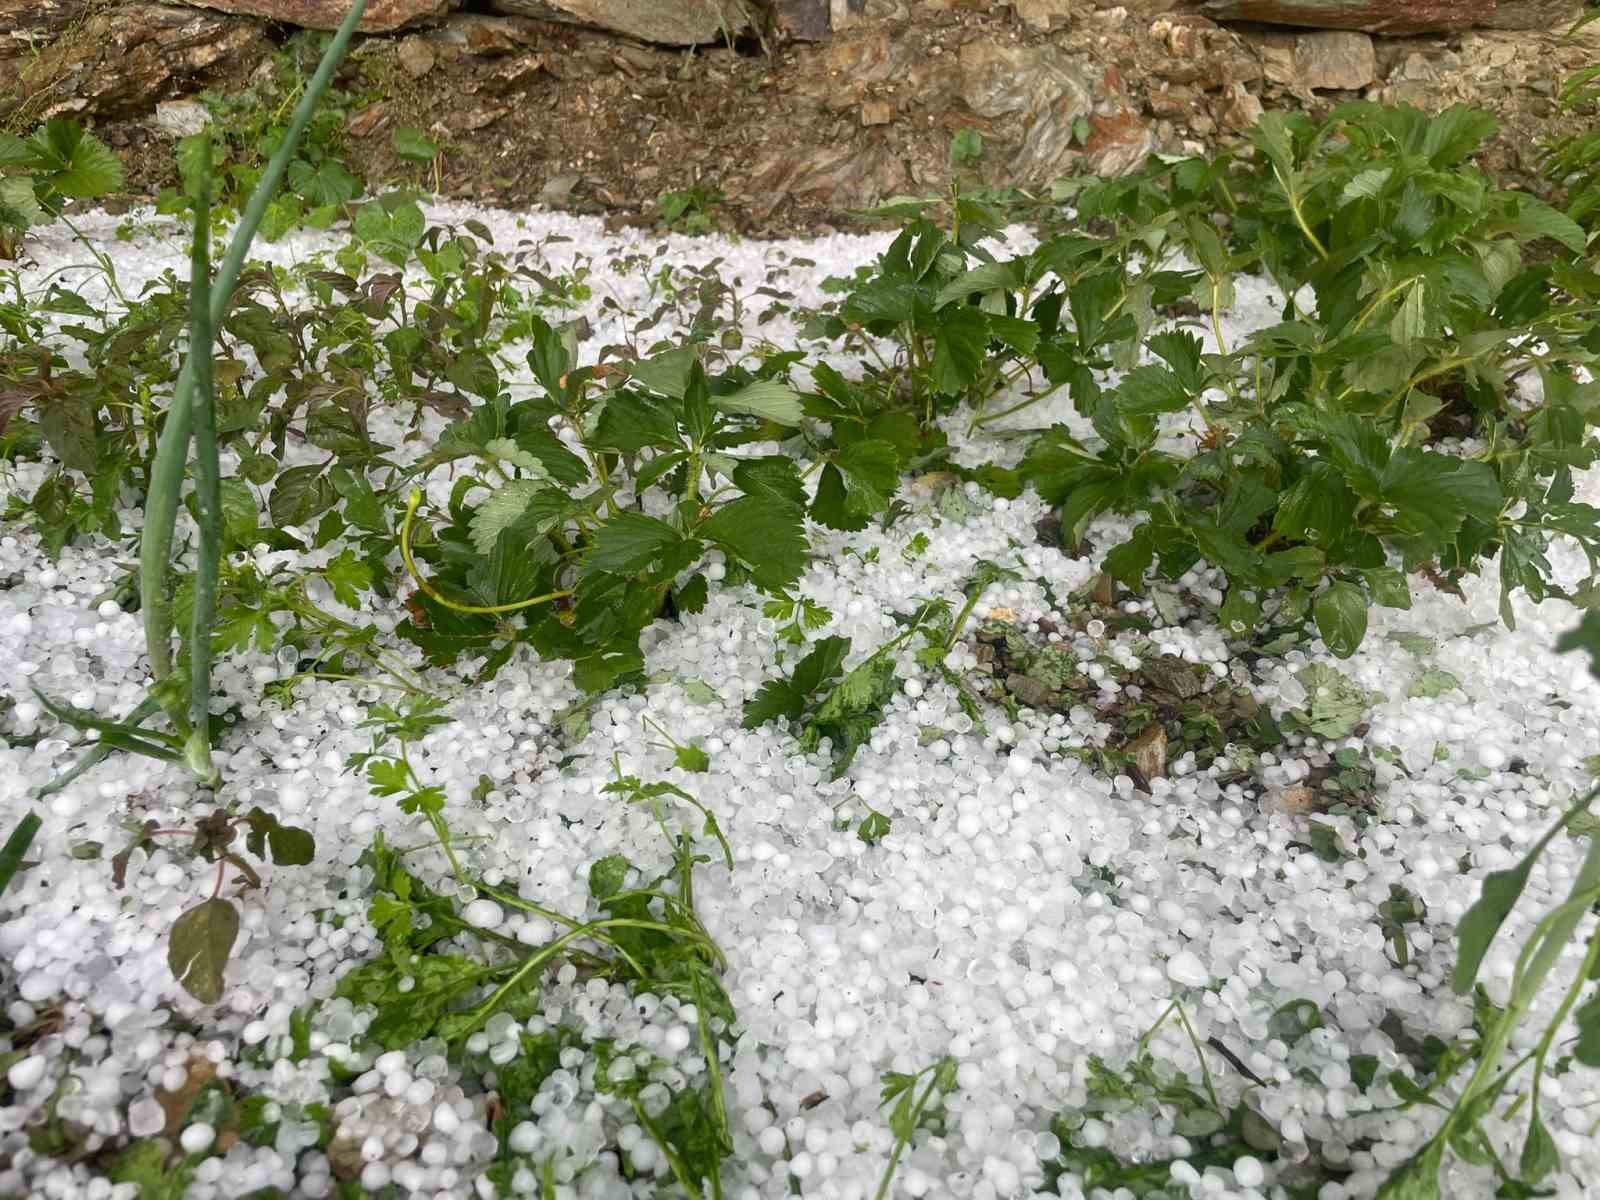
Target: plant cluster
{"points": [[39, 174], [1384, 427]]}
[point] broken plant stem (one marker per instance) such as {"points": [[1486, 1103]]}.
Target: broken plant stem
{"points": [[438, 597]]}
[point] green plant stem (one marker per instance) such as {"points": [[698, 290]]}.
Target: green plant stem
{"points": [[207, 484], [535, 961], [680, 1171], [979, 421], [1574, 990], [100, 258], [1539, 955], [438, 597], [166, 474], [145, 709], [900, 1143]]}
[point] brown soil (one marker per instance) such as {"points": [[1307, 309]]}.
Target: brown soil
{"points": [[793, 135]]}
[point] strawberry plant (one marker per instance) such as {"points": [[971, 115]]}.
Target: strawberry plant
{"points": [[1309, 473], [59, 162], [588, 511]]}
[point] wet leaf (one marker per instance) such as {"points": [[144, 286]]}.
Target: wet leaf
{"points": [[199, 945]]}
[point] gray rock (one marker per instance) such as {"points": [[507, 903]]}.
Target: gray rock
{"points": [[180, 118], [1334, 59], [381, 16], [415, 55], [666, 22], [799, 20]]}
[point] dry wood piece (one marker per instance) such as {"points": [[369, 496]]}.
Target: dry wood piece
{"points": [[1398, 17]]}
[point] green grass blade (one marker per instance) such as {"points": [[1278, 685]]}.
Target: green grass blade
{"points": [[147, 708], [118, 735], [16, 846]]}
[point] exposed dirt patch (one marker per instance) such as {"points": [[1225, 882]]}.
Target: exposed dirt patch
{"points": [[532, 111]]}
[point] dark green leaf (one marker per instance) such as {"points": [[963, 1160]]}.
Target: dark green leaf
{"points": [[1341, 616], [960, 343], [766, 534], [1151, 389], [199, 945], [11, 854], [1587, 1017], [606, 876], [873, 829], [1539, 1154], [630, 541], [412, 144], [300, 496]]}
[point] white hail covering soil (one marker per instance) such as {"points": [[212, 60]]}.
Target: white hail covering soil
{"points": [[979, 927]]}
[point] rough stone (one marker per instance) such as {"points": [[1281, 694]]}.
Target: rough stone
{"points": [[1398, 18], [1340, 60], [368, 121], [486, 36], [1055, 93], [1334, 59], [1241, 108], [1149, 752], [1042, 14], [1053, 14], [180, 118], [999, 79], [799, 20], [842, 176], [877, 112], [512, 74], [381, 16], [667, 22], [71, 57], [415, 55], [1118, 142], [1203, 53]]}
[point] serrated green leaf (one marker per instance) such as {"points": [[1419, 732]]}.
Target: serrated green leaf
{"points": [[607, 876], [240, 521], [1150, 389], [348, 575], [960, 342], [504, 507], [300, 495], [692, 758], [71, 162], [628, 542], [764, 533], [767, 399], [666, 373], [1433, 683], [19, 207], [1388, 586]]}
